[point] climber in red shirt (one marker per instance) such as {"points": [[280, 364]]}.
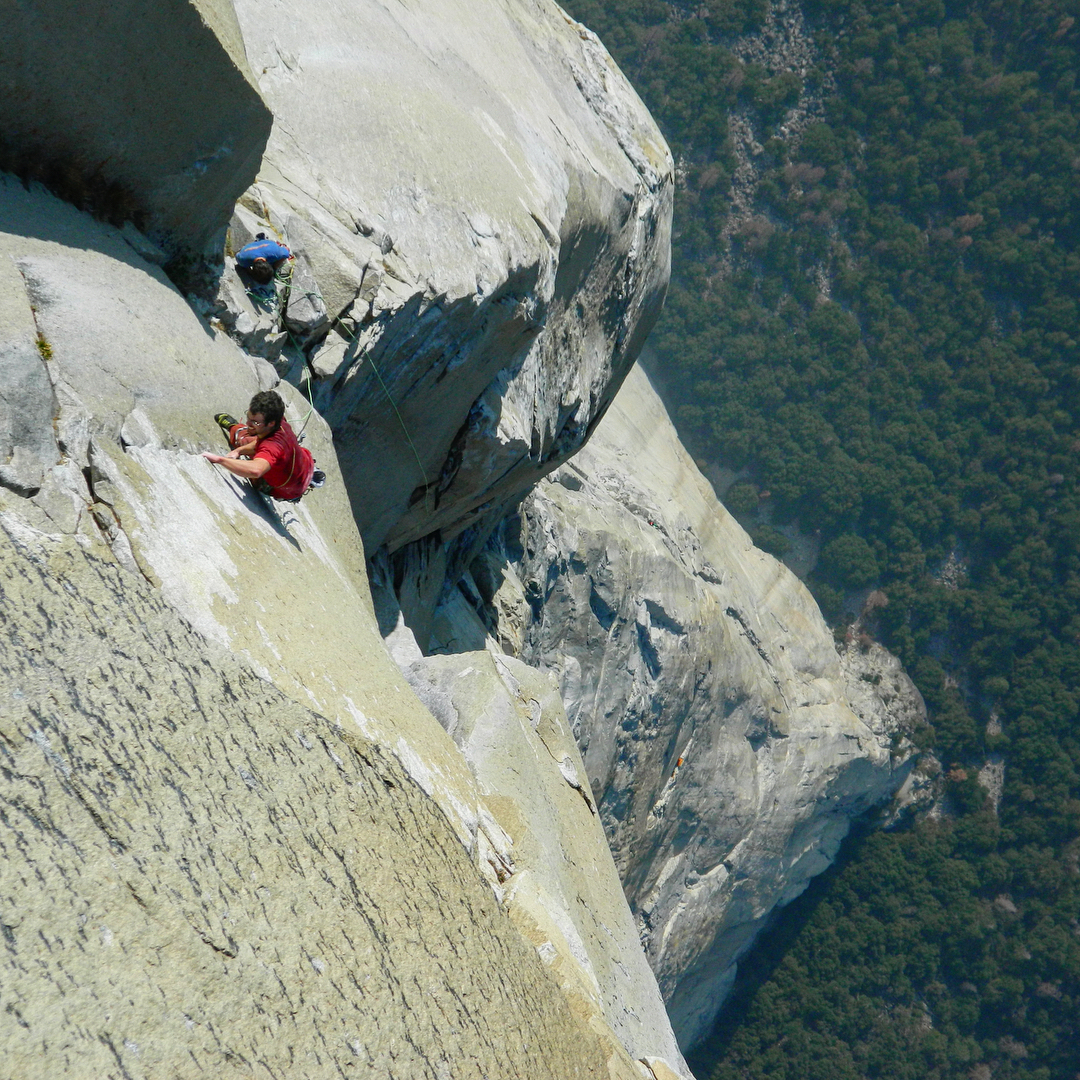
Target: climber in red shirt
{"points": [[266, 452]]}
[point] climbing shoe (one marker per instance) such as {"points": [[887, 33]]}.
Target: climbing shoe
{"points": [[318, 478], [225, 421]]}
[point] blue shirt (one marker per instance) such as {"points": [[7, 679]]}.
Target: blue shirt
{"points": [[270, 250]]}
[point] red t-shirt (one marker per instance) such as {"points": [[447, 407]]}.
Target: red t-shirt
{"points": [[291, 464]]}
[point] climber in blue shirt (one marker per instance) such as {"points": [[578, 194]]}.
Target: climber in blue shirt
{"points": [[261, 258]]}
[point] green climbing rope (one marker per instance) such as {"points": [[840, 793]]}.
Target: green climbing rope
{"points": [[287, 279]]}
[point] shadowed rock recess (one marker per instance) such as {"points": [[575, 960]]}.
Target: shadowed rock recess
{"points": [[135, 111]]}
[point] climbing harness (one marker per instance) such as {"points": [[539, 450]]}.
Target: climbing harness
{"points": [[229, 424]]}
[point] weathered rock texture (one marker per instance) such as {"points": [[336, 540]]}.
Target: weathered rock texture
{"points": [[103, 493], [725, 743], [204, 878], [480, 207], [145, 110]]}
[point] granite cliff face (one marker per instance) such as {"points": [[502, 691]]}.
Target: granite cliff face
{"points": [[727, 744], [237, 838], [483, 243], [204, 877], [244, 637]]}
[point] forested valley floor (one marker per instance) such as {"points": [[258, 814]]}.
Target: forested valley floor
{"points": [[872, 329]]}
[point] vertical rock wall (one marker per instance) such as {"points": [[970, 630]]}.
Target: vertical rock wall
{"points": [[480, 207], [727, 746]]}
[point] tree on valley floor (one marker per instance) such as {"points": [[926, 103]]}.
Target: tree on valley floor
{"points": [[885, 339]]}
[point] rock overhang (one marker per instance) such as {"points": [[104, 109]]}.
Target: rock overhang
{"points": [[503, 199]]}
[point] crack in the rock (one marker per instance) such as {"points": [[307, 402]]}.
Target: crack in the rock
{"points": [[207, 940], [748, 633]]}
